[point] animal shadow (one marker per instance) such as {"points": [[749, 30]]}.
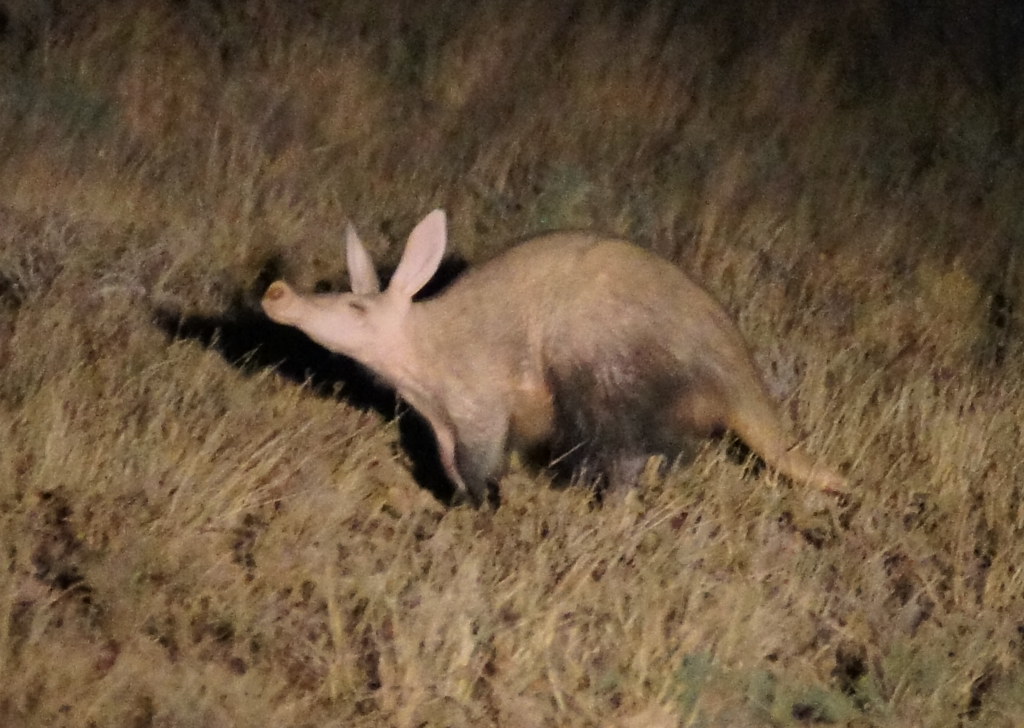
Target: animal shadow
{"points": [[251, 342]]}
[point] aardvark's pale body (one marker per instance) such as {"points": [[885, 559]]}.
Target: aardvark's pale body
{"points": [[574, 341]]}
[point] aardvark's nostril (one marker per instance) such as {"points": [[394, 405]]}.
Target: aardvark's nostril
{"points": [[276, 291]]}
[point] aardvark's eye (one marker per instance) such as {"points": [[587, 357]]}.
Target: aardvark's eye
{"points": [[358, 306]]}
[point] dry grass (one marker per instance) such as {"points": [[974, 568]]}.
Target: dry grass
{"points": [[187, 539]]}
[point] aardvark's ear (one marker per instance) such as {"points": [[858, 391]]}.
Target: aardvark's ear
{"points": [[361, 272], [422, 256]]}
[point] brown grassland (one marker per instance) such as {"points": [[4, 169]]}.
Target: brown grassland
{"points": [[188, 537]]}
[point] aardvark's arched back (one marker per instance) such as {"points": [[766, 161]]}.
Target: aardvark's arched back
{"points": [[572, 340]]}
